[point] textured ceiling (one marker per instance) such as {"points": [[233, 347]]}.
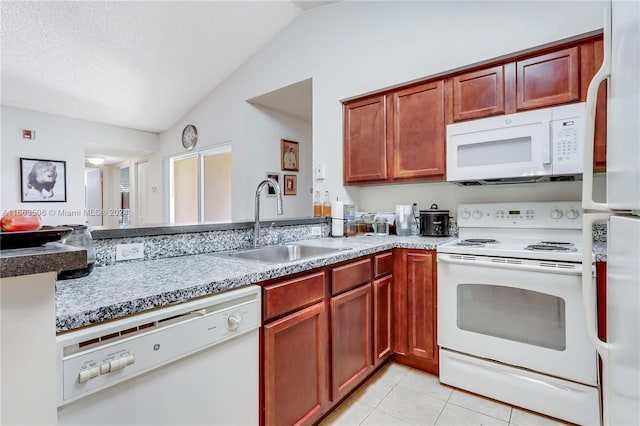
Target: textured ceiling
{"points": [[140, 65]]}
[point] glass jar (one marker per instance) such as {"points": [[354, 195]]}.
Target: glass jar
{"points": [[81, 238]]}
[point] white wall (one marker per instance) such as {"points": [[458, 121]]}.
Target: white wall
{"points": [[254, 133], [351, 48], [57, 138]]}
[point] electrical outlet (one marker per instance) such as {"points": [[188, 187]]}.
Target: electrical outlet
{"points": [[129, 251], [316, 231]]}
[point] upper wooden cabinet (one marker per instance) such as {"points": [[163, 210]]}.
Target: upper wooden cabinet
{"points": [[549, 79], [365, 141], [400, 135], [397, 137], [478, 94], [418, 138]]}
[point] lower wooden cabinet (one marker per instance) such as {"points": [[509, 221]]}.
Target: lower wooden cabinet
{"points": [[295, 367], [382, 319], [326, 331], [415, 314], [351, 340]]}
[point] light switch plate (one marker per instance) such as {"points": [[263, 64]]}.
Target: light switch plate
{"points": [[316, 231], [321, 171], [129, 251]]}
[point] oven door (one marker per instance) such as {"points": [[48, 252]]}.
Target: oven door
{"points": [[520, 312]]}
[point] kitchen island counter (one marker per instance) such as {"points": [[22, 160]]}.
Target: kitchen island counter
{"points": [[123, 289], [49, 257]]}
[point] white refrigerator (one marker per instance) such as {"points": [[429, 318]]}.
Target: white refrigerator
{"points": [[620, 355]]}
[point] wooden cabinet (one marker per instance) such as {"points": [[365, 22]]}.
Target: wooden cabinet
{"points": [[549, 79], [600, 134], [365, 141], [351, 346], [382, 307], [418, 138], [601, 286], [351, 326], [295, 352], [415, 341], [323, 334], [396, 137], [400, 135], [478, 93]]}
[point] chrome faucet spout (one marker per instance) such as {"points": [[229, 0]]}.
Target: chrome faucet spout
{"points": [[279, 210]]}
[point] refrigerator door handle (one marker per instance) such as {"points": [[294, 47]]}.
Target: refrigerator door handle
{"points": [[589, 302], [590, 117], [588, 289]]}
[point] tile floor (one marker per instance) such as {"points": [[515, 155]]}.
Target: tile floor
{"points": [[402, 396]]}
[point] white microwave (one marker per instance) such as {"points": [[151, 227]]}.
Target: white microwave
{"points": [[528, 146]]}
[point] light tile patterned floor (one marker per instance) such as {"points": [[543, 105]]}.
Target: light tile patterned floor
{"points": [[401, 396]]}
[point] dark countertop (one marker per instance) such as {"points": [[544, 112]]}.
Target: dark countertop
{"points": [[36, 260]]}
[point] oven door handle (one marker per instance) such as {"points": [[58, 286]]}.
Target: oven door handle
{"points": [[549, 267]]}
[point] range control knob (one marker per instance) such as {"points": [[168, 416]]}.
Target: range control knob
{"points": [[477, 214], [465, 214], [233, 321], [556, 214], [572, 213]]}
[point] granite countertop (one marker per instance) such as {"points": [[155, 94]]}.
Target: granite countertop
{"points": [[123, 289], [116, 291], [49, 257]]}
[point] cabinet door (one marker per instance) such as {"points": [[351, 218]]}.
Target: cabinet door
{"points": [[478, 94], [382, 319], [418, 122], [351, 347], [548, 79], [294, 359], [365, 142], [421, 307]]}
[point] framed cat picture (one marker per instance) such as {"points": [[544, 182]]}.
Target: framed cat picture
{"points": [[43, 180]]}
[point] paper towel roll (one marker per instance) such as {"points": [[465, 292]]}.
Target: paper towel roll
{"points": [[337, 218]]}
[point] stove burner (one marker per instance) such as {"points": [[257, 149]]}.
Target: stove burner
{"points": [[475, 242], [465, 243], [556, 243], [549, 247]]}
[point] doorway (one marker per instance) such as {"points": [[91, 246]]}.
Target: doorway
{"points": [[200, 186]]}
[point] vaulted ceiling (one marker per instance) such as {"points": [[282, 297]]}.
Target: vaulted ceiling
{"points": [[133, 64]]}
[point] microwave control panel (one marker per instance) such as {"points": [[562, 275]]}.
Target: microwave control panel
{"points": [[567, 145]]}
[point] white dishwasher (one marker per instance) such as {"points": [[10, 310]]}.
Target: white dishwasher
{"points": [[193, 363]]}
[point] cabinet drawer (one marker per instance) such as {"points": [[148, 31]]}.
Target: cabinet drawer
{"points": [[287, 296], [349, 276], [382, 264]]}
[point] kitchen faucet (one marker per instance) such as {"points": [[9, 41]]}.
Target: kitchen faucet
{"points": [[276, 188]]}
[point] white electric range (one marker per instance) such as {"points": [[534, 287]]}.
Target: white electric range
{"points": [[511, 323]]}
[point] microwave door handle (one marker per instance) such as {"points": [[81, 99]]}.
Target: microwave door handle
{"points": [[590, 117]]}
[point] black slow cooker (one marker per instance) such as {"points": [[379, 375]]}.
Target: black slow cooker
{"points": [[434, 222]]}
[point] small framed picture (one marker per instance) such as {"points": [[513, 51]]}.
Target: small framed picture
{"points": [[289, 155], [43, 180], [271, 193], [290, 185]]}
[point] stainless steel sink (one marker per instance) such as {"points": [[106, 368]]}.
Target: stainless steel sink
{"points": [[284, 253]]}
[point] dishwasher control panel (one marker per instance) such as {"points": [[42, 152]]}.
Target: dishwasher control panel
{"points": [[93, 359]]}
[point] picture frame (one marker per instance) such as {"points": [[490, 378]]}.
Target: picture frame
{"points": [[271, 193], [290, 185], [289, 155], [43, 180]]}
